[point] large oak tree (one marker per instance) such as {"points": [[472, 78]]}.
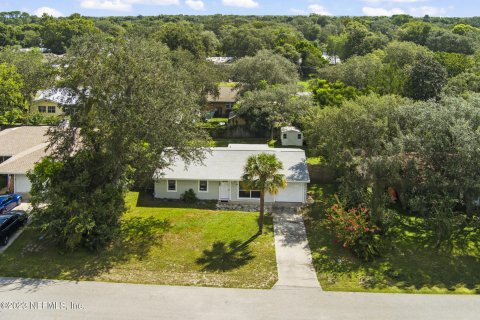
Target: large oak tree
{"points": [[137, 108]]}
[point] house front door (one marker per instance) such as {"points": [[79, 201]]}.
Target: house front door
{"points": [[224, 192]]}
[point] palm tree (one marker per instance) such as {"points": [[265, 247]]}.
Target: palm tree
{"points": [[262, 173]]}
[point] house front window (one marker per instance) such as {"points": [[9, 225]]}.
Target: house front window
{"points": [[299, 136], [284, 136], [244, 193], [172, 185], [42, 109], [51, 109], [228, 106], [203, 186]]}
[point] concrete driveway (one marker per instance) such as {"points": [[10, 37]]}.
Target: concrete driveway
{"points": [[23, 206], [294, 259], [47, 299]]}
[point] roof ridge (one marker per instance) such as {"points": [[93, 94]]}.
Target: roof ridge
{"points": [[24, 153]]}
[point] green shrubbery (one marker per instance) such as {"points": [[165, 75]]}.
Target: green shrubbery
{"points": [[189, 196], [354, 230]]}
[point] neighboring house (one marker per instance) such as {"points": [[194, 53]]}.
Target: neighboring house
{"points": [[52, 101], [221, 60], [219, 176], [331, 59], [291, 136], [221, 105], [20, 149]]}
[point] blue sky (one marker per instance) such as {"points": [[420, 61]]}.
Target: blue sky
{"points": [[457, 8]]}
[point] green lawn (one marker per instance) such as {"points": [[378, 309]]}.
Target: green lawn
{"points": [[411, 266], [227, 84], [217, 120], [173, 245]]}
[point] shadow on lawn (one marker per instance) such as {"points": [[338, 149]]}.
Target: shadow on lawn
{"points": [[225, 257], [410, 263], [133, 240]]}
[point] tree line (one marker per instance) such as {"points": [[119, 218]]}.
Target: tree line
{"points": [[398, 109]]}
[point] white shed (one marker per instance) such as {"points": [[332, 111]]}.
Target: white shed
{"points": [[291, 136]]}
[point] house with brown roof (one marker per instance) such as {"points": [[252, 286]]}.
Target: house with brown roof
{"points": [[20, 149], [221, 105]]}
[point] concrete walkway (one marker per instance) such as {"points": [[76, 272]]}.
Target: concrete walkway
{"points": [[294, 259], [52, 299]]}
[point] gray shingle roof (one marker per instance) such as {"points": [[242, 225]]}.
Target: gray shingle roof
{"points": [[228, 163], [24, 161], [19, 139], [25, 145]]}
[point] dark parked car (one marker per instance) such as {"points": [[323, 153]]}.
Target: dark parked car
{"points": [[9, 201], [11, 222]]}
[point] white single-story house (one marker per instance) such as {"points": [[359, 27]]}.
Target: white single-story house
{"points": [[20, 149], [219, 175], [291, 136]]}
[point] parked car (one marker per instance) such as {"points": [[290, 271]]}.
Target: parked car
{"points": [[11, 222], [9, 201]]}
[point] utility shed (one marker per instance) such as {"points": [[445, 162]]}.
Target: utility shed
{"points": [[291, 136]]}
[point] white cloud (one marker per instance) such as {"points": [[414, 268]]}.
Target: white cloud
{"points": [[298, 12], [392, 1], [50, 11], [114, 5], [240, 3], [369, 11], [122, 5], [431, 11], [195, 4], [319, 9]]}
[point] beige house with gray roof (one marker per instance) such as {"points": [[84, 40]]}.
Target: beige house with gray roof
{"points": [[20, 149]]}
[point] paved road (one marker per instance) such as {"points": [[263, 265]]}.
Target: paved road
{"points": [[294, 259], [94, 300]]}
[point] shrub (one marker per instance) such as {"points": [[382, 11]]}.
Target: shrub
{"points": [[271, 143], [189, 196], [354, 230]]}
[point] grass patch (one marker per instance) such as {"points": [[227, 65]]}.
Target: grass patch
{"points": [[217, 120], [411, 266], [227, 84], [159, 243]]}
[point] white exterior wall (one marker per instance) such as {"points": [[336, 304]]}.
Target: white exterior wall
{"points": [[161, 191], [22, 184], [295, 191], [292, 138]]}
